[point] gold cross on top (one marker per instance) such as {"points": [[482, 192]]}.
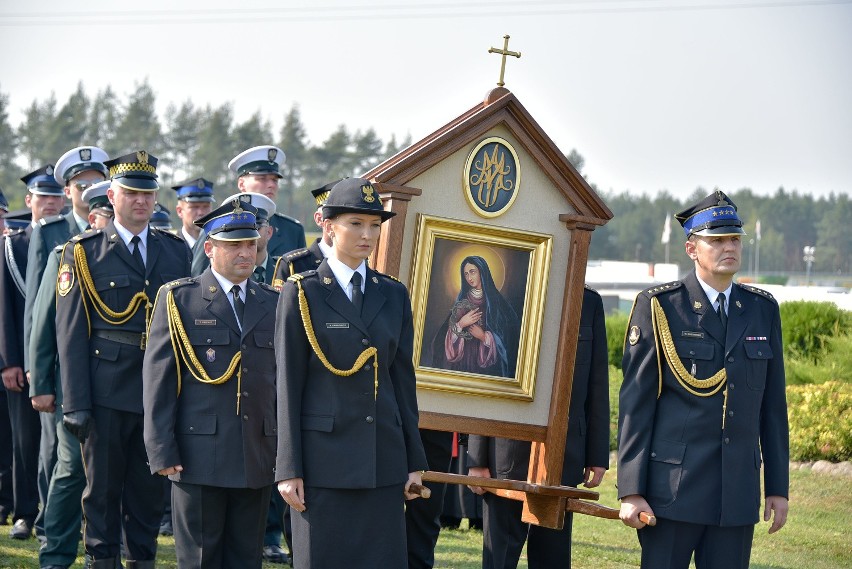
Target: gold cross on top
{"points": [[504, 52]]}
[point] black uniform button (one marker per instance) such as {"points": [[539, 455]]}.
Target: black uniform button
{"points": [[731, 359], [691, 352], [365, 342], [245, 370], [191, 429], [731, 386], [245, 393], [369, 419], [245, 417], [653, 455], [366, 367], [244, 347], [730, 413], [759, 353], [727, 440], [209, 340]]}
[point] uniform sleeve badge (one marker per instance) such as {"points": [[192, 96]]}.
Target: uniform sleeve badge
{"points": [[65, 280], [278, 284], [211, 355], [634, 335]]}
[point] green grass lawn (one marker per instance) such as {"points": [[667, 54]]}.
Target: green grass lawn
{"points": [[816, 536]]}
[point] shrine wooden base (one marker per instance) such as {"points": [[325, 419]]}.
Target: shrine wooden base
{"points": [[543, 505]]}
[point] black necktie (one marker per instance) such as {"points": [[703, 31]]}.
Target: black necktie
{"points": [[239, 305], [137, 254], [723, 316], [258, 274], [357, 295]]}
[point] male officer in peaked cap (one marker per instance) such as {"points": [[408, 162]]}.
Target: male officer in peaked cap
{"points": [[62, 510], [194, 201], [106, 287], [44, 198], [215, 390], [307, 258], [258, 170], [161, 218], [703, 404]]}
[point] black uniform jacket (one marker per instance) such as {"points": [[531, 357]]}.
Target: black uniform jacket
{"points": [[47, 234], [199, 428], [672, 447], [96, 370], [11, 298], [288, 235], [587, 443], [296, 261], [334, 431]]}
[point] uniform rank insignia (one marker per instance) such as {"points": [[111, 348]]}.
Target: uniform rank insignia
{"points": [[376, 280], [739, 305], [211, 355], [635, 333], [66, 280], [696, 305], [326, 280], [213, 289]]}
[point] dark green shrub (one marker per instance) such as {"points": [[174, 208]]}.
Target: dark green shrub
{"points": [[820, 421], [773, 279], [616, 328], [834, 364], [806, 326]]}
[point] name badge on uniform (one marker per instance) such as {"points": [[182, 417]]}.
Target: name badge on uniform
{"points": [[337, 324], [202, 322], [690, 334]]}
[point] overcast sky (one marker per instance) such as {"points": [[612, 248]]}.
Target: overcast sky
{"points": [[668, 94]]}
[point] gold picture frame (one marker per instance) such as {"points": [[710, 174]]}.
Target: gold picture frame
{"points": [[478, 294]]}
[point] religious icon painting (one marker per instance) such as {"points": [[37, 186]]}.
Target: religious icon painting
{"points": [[492, 177], [478, 299]]}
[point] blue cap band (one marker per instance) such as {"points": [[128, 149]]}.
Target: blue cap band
{"points": [[241, 220], [719, 213]]}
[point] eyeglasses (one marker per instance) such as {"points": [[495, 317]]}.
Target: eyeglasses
{"points": [[83, 184], [103, 214]]}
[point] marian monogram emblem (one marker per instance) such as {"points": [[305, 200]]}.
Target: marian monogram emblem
{"points": [[492, 177]]}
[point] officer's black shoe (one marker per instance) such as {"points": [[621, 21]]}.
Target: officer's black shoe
{"points": [[274, 554], [21, 530], [166, 527], [4, 516], [55, 567]]}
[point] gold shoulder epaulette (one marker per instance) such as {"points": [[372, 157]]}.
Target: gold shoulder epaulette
{"points": [[391, 277], [85, 235], [758, 291], [297, 277], [180, 282], [296, 254], [667, 287], [587, 287]]}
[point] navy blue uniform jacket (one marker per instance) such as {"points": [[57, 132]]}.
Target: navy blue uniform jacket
{"points": [[672, 448], [96, 370], [332, 431], [200, 428]]}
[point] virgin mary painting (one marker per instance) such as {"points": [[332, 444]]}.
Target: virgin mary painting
{"points": [[481, 332]]}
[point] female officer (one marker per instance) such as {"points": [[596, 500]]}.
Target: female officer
{"points": [[348, 444]]}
